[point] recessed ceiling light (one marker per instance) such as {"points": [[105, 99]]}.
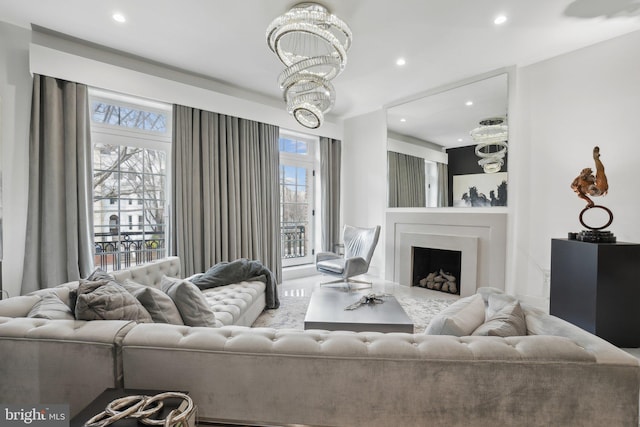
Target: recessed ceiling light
{"points": [[468, 103], [459, 139], [401, 62], [118, 17], [500, 19], [403, 120]]}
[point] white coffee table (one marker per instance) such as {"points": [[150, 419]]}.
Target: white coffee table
{"points": [[327, 311]]}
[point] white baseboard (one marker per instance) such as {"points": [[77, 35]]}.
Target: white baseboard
{"points": [[298, 271]]}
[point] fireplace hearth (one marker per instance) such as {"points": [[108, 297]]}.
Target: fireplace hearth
{"points": [[437, 269]]}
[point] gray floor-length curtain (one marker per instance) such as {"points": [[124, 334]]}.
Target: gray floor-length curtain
{"points": [[406, 180], [443, 185], [59, 223], [330, 158], [226, 194]]}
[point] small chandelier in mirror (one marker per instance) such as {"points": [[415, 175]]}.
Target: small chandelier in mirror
{"points": [[491, 138], [312, 43]]}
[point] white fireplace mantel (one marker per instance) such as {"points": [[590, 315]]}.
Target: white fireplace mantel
{"points": [[478, 235]]}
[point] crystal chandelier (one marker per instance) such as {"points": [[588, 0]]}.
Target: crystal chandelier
{"points": [[313, 45], [491, 139]]}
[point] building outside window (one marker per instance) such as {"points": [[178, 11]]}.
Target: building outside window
{"points": [[131, 159], [298, 161]]}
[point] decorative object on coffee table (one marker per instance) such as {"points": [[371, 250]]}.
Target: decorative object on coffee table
{"points": [[367, 299], [586, 185], [326, 311]]}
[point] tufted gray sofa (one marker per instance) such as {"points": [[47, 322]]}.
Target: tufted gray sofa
{"points": [[558, 375], [67, 361], [373, 379], [234, 304]]}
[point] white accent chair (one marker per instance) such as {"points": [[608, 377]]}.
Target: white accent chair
{"points": [[359, 244]]}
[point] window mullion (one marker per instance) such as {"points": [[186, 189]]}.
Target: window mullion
{"points": [[119, 222]]}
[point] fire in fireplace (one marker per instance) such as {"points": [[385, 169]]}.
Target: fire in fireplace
{"points": [[437, 269]]}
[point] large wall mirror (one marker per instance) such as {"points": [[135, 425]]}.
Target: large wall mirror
{"points": [[432, 157]]}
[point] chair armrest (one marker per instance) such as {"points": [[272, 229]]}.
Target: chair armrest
{"points": [[355, 266], [323, 256]]}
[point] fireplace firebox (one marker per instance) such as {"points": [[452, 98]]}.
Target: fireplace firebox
{"points": [[437, 269]]}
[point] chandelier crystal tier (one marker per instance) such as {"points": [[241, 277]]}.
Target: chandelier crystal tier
{"points": [[491, 138], [313, 45]]}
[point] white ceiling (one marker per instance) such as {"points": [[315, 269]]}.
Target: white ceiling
{"points": [[442, 40]]}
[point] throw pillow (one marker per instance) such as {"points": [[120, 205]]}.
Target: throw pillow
{"points": [[190, 301], [18, 306], [507, 322], [460, 318], [107, 300], [485, 291], [51, 306], [159, 305], [99, 274], [96, 275], [194, 277], [497, 302]]}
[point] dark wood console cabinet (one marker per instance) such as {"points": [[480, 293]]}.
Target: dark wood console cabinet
{"points": [[596, 286]]}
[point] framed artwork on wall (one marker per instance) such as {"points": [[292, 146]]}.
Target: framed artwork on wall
{"points": [[480, 190]]}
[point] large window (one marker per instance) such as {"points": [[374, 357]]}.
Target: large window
{"points": [[131, 157], [297, 177]]}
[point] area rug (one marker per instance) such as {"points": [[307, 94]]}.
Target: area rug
{"points": [[293, 309]]}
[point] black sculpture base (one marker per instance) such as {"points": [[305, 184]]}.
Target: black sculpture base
{"points": [[593, 236], [594, 286]]}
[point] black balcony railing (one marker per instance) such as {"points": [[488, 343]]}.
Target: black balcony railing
{"points": [[294, 243], [118, 251]]}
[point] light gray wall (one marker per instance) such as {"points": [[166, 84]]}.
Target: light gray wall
{"points": [[364, 177], [565, 107], [15, 104]]}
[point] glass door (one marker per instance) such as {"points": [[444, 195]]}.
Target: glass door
{"points": [[296, 202]]}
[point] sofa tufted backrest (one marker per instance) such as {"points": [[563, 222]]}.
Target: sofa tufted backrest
{"points": [[409, 379], [150, 274], [345, 344]]}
